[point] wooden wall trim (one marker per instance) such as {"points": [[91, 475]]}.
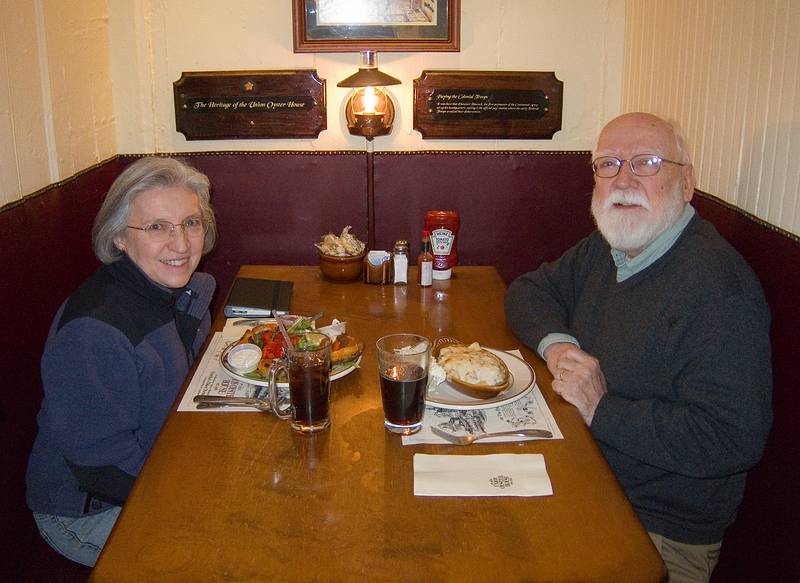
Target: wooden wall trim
{"points": [[251, 153], [59, 184], [750, 216], [485, 152]]}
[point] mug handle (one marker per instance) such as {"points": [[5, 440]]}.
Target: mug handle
{"points": [[274, 369]]}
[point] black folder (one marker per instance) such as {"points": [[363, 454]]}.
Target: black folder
{"points": [[256, 298]]}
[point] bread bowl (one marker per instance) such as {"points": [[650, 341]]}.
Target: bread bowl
{"points": [[471, 369]]}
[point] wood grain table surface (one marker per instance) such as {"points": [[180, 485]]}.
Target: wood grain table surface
{"points": [[238, 496]]}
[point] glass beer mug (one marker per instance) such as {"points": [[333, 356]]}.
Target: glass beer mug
{"points": [[307, 363]]}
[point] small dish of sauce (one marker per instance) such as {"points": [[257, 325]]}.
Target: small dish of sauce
{"points": [[243, 358]]}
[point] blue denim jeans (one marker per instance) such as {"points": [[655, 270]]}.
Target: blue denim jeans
{"points": [[79, 539]]}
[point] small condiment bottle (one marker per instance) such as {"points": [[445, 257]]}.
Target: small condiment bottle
{"points": [[400, 262], [425, 261]]}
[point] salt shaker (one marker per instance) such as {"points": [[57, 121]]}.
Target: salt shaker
{"points": [[400, 262]]}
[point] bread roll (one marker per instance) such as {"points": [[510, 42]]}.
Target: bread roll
{"points": [[345, 348], [472, 364]]}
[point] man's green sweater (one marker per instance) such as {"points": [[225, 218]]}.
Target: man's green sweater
{"points": [[685, 350]]}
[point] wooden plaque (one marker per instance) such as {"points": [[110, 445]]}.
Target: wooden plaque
{"points": [[227, 105], [488, 104]]}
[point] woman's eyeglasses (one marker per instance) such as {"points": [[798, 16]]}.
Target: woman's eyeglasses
{"points": [[161, 231]]}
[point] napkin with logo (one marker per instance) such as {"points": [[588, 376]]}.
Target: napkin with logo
{"points": [[505, 474]]}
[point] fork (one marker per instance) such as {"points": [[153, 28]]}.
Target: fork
{"points": [[473, 437], [251, 322], [209, 402]]}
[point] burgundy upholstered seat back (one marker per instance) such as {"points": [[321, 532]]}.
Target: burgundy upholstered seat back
{"points": [[272, 207], [517, 209], [762, 544]]}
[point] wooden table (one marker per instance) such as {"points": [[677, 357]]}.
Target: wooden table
{"points": [[240, 497]]}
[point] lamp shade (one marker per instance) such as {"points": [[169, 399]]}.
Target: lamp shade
{"points": [[366, 77], [368, 74]]}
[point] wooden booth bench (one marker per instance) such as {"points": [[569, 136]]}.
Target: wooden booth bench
{"points": [[517, 209]]}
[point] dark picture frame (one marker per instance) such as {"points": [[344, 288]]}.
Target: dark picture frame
{"points": [[335, 26]]}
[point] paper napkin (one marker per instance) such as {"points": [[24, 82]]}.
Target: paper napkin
{"points": [[506, 474]]}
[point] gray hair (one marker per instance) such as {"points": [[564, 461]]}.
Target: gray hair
{"points": [[143, 175], [680, 142]]}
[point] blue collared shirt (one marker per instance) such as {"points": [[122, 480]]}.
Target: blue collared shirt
{"points": [[629, 267]]}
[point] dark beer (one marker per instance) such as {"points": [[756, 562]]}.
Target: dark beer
{"points": [[403, 393], [309, 391]]}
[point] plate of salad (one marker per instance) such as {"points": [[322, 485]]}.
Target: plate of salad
{"points": [[268, 338]]}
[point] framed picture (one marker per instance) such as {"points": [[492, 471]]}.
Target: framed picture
{"points": [[336, 26]]}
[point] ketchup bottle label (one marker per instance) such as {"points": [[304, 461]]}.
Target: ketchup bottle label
{"points": [[441, 241]]}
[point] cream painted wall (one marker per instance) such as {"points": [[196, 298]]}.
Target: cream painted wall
{"points": [[729, 74], [154, 41], [56, 111], [79, 75], [83, 80], [24, 164]]}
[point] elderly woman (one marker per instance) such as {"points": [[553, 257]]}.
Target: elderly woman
{"points": [[118, 351]]}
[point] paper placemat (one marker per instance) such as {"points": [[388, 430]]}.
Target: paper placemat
{"points": [[529, 412], [211, 379]]}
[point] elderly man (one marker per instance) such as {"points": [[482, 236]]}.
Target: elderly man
{"points": [[657, 331]]}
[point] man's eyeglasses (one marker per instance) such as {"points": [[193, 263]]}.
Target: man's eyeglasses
{"points": [[641, 165], [161, 231]]}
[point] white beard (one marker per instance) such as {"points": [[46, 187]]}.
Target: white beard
{"points": [[629, 233]]}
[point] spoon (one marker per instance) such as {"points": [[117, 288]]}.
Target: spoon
{"points": [[472, 437]]}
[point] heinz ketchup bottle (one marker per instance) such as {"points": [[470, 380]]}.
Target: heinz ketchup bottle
{"points": [[443, 227]]}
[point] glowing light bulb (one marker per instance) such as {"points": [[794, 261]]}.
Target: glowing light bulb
{"points": [[369, 100]]}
